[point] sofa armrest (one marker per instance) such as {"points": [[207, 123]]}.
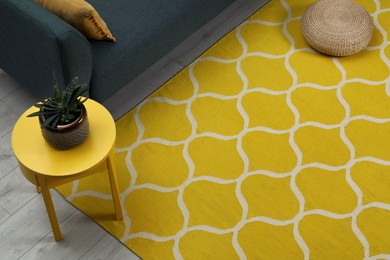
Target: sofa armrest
{"points": [[35, 42]]}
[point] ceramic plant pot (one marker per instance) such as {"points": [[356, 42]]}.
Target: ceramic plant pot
{"points": [[64, 137]]}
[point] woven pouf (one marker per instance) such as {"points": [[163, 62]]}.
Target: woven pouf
{"points": [[337, 27]]}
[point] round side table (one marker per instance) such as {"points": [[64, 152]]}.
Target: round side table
{"points": [[47, 167]]}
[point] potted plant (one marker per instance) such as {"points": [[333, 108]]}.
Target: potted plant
{"points": [[63, 117]]}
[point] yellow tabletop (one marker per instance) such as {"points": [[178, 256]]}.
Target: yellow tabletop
{"points": [[37, 155]]}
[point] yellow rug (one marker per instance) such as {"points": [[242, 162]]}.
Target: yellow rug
{"points": [[260, 149]]}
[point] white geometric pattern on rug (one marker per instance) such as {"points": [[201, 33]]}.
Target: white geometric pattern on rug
{"points": [[289, 131]]}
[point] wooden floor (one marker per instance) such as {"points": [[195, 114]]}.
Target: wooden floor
{"points": [[25, 231]]}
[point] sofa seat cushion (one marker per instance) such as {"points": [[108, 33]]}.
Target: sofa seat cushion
{"points": [[146, 31]]}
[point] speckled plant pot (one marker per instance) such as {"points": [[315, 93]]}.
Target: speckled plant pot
{"points": [[67, 136]]}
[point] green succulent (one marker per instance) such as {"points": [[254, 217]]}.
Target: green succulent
{"points": [[63, 107]]}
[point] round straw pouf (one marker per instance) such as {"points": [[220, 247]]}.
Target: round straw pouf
{"points": [[337, 27]]}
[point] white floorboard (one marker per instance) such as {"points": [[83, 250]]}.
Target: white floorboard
{"points": [[109, 248], [19, 100], [29, 225], [3, 215], [15, 191], [7, 158], [79, 235], [25, 231], [7, 119], [8, 84]]}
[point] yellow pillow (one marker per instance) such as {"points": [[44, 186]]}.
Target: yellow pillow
{"points": [[80, 15]]}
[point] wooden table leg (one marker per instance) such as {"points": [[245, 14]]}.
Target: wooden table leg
{"points": [[37, 185], [114, 184], [50, 208]]}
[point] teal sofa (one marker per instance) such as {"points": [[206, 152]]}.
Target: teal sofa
{"points": [[35, 42]]}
